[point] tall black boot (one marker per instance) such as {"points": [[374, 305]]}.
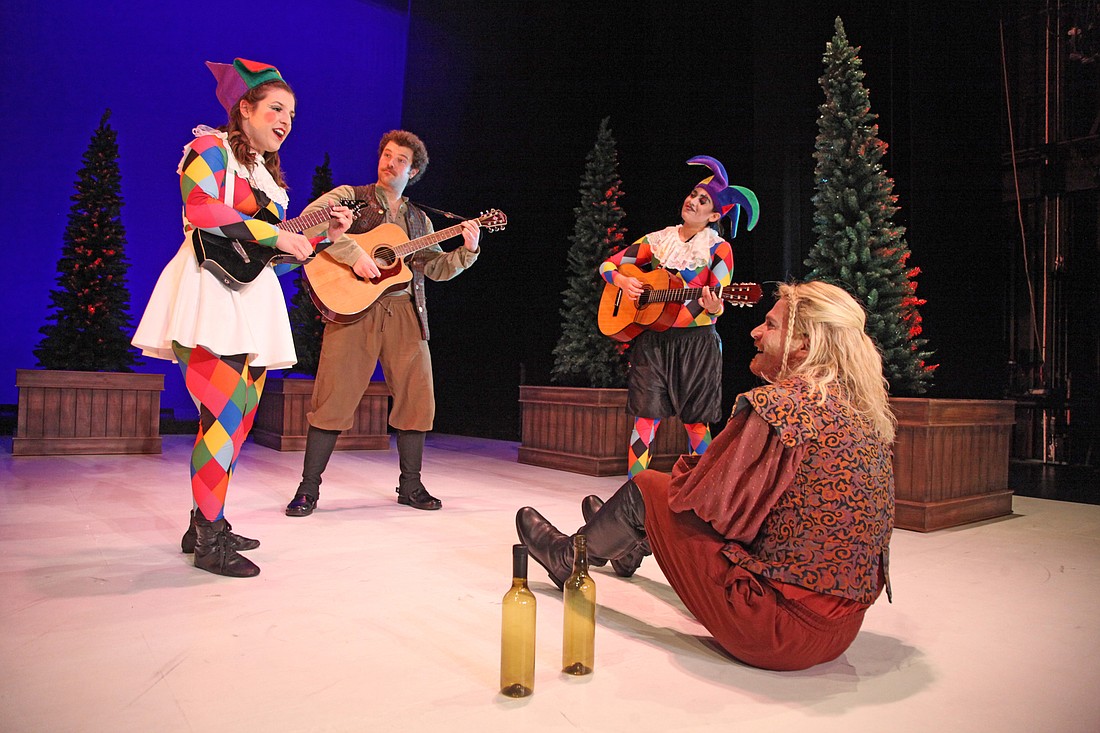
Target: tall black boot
{"points": [[213, 553], [410, 457], [627, 564], [319, 446], [612, 532], [236, 541]]}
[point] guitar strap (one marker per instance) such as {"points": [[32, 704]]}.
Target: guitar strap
{"points": [[230, 179], [441, 212]]}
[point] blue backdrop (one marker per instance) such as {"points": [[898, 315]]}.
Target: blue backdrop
{"points": [[63, 63]]}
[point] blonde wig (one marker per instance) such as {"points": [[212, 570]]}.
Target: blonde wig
{"points": [[838, 350]]}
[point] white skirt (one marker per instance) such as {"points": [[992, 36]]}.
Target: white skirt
{"points": [[191, 305]]}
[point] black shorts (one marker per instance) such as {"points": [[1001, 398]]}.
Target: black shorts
{"points": [[676, 372]]}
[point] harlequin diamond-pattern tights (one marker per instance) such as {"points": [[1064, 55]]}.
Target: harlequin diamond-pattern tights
{"points": [[638, 454], [227, 390]]}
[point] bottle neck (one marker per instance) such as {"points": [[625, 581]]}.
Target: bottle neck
{"points": [[580, 556], [519, 563]]}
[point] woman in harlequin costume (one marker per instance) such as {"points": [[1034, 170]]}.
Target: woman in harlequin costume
{"points": [[225, 340], [777, 539], [678, 372]]}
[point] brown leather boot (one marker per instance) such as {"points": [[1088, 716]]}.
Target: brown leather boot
{"points": [[625, 565]]}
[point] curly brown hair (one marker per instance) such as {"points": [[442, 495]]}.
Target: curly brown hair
{"points": [[238, 140], [406, 139]]}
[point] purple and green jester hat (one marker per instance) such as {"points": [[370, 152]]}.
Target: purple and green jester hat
{"points": [[235, 79], [728, 200]]}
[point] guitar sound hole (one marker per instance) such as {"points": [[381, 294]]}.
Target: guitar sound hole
{"points": [[384, 257]]}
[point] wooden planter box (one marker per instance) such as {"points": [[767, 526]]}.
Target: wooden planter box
{"points": [[587, 430], [67, 412], [951, 461], [281, 417]]}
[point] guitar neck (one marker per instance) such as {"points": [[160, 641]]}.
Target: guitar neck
{"points": [[415, 245], [676, 295], [305, 221]]}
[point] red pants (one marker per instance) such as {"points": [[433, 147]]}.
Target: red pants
{"points": [[749, 616]]}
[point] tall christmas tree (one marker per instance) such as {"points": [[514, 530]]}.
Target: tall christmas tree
{"points": [[306, 323], [859, 247], [583, 356], [90, 328]]}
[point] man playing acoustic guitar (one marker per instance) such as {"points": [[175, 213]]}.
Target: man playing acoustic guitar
{"points": [[393, 330]]}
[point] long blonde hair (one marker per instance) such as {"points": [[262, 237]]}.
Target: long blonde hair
{"points": [[838, 350]]}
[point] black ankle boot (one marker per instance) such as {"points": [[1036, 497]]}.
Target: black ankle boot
{"points": [[236, 541], [417, 497], [213, 554], [549, 547], [302, 505], [625, 565]]}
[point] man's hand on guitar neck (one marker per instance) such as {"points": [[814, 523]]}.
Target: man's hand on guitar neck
{"points": [[632, 286], [471, 233], [339, 221]]}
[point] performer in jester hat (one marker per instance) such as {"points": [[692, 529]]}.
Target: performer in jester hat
{"points": [[226, 339], [678, 372]]}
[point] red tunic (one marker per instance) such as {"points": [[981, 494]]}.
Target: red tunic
{"points": [[714, 528]]}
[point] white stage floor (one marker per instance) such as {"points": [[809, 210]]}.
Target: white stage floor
{"points": [[370, 616]]}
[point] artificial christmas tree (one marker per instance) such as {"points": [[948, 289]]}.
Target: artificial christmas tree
{"points": [[87, 400], [583, 356], [91, 306], [950, 457], [859, 247]]}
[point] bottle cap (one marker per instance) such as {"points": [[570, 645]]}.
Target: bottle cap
{"points": [[519, 561]]}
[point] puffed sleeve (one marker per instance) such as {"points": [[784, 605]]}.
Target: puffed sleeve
{"points": [[735, 484], [202, 182]]}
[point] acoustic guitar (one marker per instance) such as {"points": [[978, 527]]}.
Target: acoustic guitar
{"points": [[237, 263], [660, 303], [343, 297]]}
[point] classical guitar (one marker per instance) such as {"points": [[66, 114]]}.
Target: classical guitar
{"points": [[237, 263], [343, 297], [660, 303]]}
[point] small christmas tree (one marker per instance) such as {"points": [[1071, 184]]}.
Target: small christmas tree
{"points": [[305, 320], [583, 356], [858, 247], [90, 329]]}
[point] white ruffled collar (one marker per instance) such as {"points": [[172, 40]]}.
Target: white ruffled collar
{"points": [[674, 254], [259, 177]]}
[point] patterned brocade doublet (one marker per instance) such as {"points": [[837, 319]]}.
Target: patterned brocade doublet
{"points": [[830, 530]]}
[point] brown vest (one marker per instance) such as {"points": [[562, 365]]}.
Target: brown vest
{"points": [[416, 225]]}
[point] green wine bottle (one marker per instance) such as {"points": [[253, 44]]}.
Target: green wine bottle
{"points": [[578, 649], [517, 631]]}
